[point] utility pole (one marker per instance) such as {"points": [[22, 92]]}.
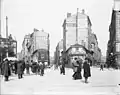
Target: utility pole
{"points": [[6, 27], [77, 27], [48, 50], [0, 15], [7, 34]]}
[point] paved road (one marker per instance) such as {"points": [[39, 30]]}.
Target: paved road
{"points": [[101, 83]]}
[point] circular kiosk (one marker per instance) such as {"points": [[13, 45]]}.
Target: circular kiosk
{"points": [[75, 51]]}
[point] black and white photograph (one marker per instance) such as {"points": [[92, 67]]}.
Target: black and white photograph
{"points": [[59, 47]]}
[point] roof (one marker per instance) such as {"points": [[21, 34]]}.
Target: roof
{"points": [[75, 46], [5, 39]]}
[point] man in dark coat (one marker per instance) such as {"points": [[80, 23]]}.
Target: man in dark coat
{"points": [[62, 66], [1, 68], [42, 67], [38, 70], [20, 69], [27, 67], [15, 67], [23, 68], [86, 68], [6, 69], [101, 67]]}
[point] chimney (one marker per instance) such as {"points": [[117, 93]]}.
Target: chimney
{"points": [[68, 15], [83, 11]]}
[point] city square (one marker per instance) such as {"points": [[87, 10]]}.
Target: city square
{"points": [[60, 47]]}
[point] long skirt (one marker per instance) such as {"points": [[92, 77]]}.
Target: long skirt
{"points": [[77, 74]]}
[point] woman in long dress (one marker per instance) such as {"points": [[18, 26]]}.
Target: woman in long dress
{"points": [[77, 69]]}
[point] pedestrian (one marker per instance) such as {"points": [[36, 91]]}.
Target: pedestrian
{"points": [[62, 66], [15, 64], [33, 67], [101, 67], [86, 68], [32, 64], [6, 69], [2, 73], [27, 68], [74, 64], [38, 70], [1, 68], [42, 67], [23, 65], [11, 66], [79, 68], [77, 65], [20, 69]]}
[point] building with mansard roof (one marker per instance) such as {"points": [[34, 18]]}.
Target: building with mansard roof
{"points": [[113, 46], [36, 46], [78, 39]]}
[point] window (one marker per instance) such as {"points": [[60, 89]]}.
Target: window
{"points": [[71, 24], [117, 47]]}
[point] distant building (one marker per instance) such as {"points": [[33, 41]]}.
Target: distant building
{"points": [[93, 46], [8, 45], [38, 46], [58, 52], [76, 29], [24, 47], [113, 47]]}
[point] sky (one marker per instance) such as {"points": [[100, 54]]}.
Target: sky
{"points": [[25, 15]]}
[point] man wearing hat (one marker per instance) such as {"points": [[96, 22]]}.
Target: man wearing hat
{"points": [[6, 70], [86, 68]]}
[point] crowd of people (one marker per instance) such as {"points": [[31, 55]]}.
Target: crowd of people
{"points": [[8, 68], [77, 65]]}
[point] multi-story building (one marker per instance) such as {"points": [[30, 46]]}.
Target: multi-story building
{"points": [[24, 47], [58, 52], [38, 46], [113, 47], [77, 31], [8, 47], [93, 46]]}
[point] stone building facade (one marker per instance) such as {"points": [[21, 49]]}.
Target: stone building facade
{"points": [[113, 46]]}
